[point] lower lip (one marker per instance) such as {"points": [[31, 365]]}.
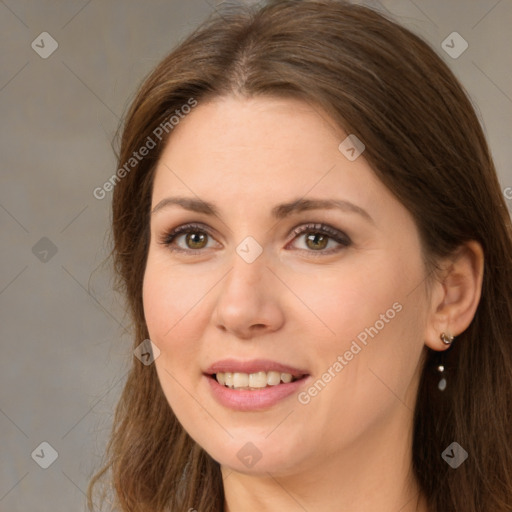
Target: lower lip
{"points": [[252, 400]]}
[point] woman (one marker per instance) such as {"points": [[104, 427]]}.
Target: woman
{"points": [[309, 228]]}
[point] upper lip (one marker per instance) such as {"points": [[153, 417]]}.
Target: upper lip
{"points": [[253, 366]]}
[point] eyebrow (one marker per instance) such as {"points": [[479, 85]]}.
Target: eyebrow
{"points": [[279, 211]]}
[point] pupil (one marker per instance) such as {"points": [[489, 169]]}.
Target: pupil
{"points": [[193, 238], [314, 238]]}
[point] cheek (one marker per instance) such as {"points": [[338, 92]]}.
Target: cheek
{"points": [[370, 327], [171, 300], [346, 301], [171, 318]]}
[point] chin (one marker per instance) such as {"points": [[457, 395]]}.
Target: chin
{"points": [[257, 454]]}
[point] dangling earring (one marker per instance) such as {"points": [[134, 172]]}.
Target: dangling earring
{"points": [[447, 340], [441, 385]]}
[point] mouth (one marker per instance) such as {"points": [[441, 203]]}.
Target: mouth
{"points": [[255, 385], [254, 381]]}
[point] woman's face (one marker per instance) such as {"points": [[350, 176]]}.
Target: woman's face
{"points": [[339, 306]]}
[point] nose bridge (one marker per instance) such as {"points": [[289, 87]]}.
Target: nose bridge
{"points": [[245, 299], [250, 251], [248, 267]]}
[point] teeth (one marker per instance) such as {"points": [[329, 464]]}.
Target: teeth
{"points": [[273, 378], [286, 377], [256, 380], [241, 380]]}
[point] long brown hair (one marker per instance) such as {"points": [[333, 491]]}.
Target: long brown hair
{"points": [[382, 83]]}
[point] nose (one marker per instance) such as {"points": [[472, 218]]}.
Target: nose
{"points": [[248, 302]]}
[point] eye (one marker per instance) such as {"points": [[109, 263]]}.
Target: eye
{"points": [[318, 236], [195, 238]]}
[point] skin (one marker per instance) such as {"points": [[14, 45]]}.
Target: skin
{"points": [[349, 448]]}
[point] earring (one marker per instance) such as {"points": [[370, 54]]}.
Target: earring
{"points": [[442, 383], [446, 339]]}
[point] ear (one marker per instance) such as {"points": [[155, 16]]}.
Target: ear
{"points": [[455, 294]]}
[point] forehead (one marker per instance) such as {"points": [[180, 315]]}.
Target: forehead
{"points": [[269, 145]]}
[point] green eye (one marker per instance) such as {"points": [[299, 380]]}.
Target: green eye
{"points": [[318, 237], [195, 238]]}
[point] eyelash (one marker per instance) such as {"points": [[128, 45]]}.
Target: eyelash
{"points": [[318, 228]]}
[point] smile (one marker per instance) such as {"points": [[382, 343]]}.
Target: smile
{"points": [[254, 385], [258, 380]]}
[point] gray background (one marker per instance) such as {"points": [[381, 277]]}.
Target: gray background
{"points": [[64, 345]]}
